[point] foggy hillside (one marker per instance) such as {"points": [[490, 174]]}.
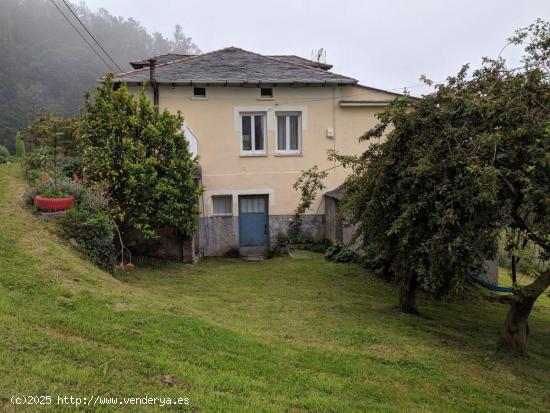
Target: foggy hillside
{"points": [[45, 66]]}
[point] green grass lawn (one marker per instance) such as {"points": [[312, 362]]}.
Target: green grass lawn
{"points": [[278, 335]]}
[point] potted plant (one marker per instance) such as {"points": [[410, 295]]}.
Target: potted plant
{"points": [[52, 199]]}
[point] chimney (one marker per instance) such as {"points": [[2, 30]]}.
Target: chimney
{"points": [[154, 83]]}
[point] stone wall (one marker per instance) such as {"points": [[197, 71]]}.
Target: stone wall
{"points": [[168, 245], [312, 225], [219, 235]]}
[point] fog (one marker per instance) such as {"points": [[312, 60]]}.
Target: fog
{"points": [[386, 44]]}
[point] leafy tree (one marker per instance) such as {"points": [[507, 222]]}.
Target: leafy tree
{"points": [[456, 169], [142, 159], [19, 145]]}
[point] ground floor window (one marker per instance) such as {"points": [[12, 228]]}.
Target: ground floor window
{"points": [[222, 205]]}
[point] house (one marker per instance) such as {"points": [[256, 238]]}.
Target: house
{"points": [[256, 122]]}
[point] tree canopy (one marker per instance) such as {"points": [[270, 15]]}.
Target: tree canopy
{"points": [[454, 171], [142, 159]]}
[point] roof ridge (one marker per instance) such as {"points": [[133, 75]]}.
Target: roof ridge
{"points": [[298, 64], [173, 61]]}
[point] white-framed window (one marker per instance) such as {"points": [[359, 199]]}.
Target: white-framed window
{"points": [[289, 132], [222, 205], [253, 133]]}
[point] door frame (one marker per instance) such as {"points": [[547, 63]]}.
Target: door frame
{"points": [[267, 233]]}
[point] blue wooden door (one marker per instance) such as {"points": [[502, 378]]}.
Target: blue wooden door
{"points": [[253, 221]]}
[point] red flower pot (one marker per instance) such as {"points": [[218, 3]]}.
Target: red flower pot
{"points": [[53, 204]]}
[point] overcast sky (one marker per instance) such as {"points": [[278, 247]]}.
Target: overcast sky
{"points": [[385, 44]]}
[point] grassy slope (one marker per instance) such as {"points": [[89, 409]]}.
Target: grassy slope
{"points": [[283, 334]]}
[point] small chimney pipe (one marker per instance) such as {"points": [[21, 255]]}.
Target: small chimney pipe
{"points": [[154, 84]]}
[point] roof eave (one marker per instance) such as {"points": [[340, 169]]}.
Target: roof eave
{"points": [[342, 82]]}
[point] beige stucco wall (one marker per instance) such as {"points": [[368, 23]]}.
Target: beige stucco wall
{"points": [[215, 122]]}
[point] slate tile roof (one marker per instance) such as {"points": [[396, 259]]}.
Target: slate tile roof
{"points": [[234, 66]]}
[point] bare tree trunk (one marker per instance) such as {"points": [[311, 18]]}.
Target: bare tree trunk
{"points": [[516, 326], [407, 296]]}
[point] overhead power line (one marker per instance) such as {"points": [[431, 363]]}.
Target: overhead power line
{"points": [[82, 37], [92, 36]]}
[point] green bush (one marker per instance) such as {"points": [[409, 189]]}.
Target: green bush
{"points": [[94, 233], [4, 155], [50, 168], [88, 223], [302, 239], [19, 146], [283, 239], [90, 198], [54, 193], [340, 252], [305, 240], [333, 250]]}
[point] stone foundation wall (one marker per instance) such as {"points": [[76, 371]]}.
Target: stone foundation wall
{"points": [[220, 235], [168, 245], [312, 225]]}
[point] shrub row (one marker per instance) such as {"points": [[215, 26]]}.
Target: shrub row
{"points": [[340, 252]]}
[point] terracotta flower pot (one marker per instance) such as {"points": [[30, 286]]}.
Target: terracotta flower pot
{"points": [[53, 204]]}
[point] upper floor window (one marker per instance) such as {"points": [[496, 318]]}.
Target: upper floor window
{"points": [[199, 92], [266, 92], [253, 134], [289, 133]]}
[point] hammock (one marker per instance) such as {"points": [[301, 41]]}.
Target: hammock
{"points": [[492, 287]]}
